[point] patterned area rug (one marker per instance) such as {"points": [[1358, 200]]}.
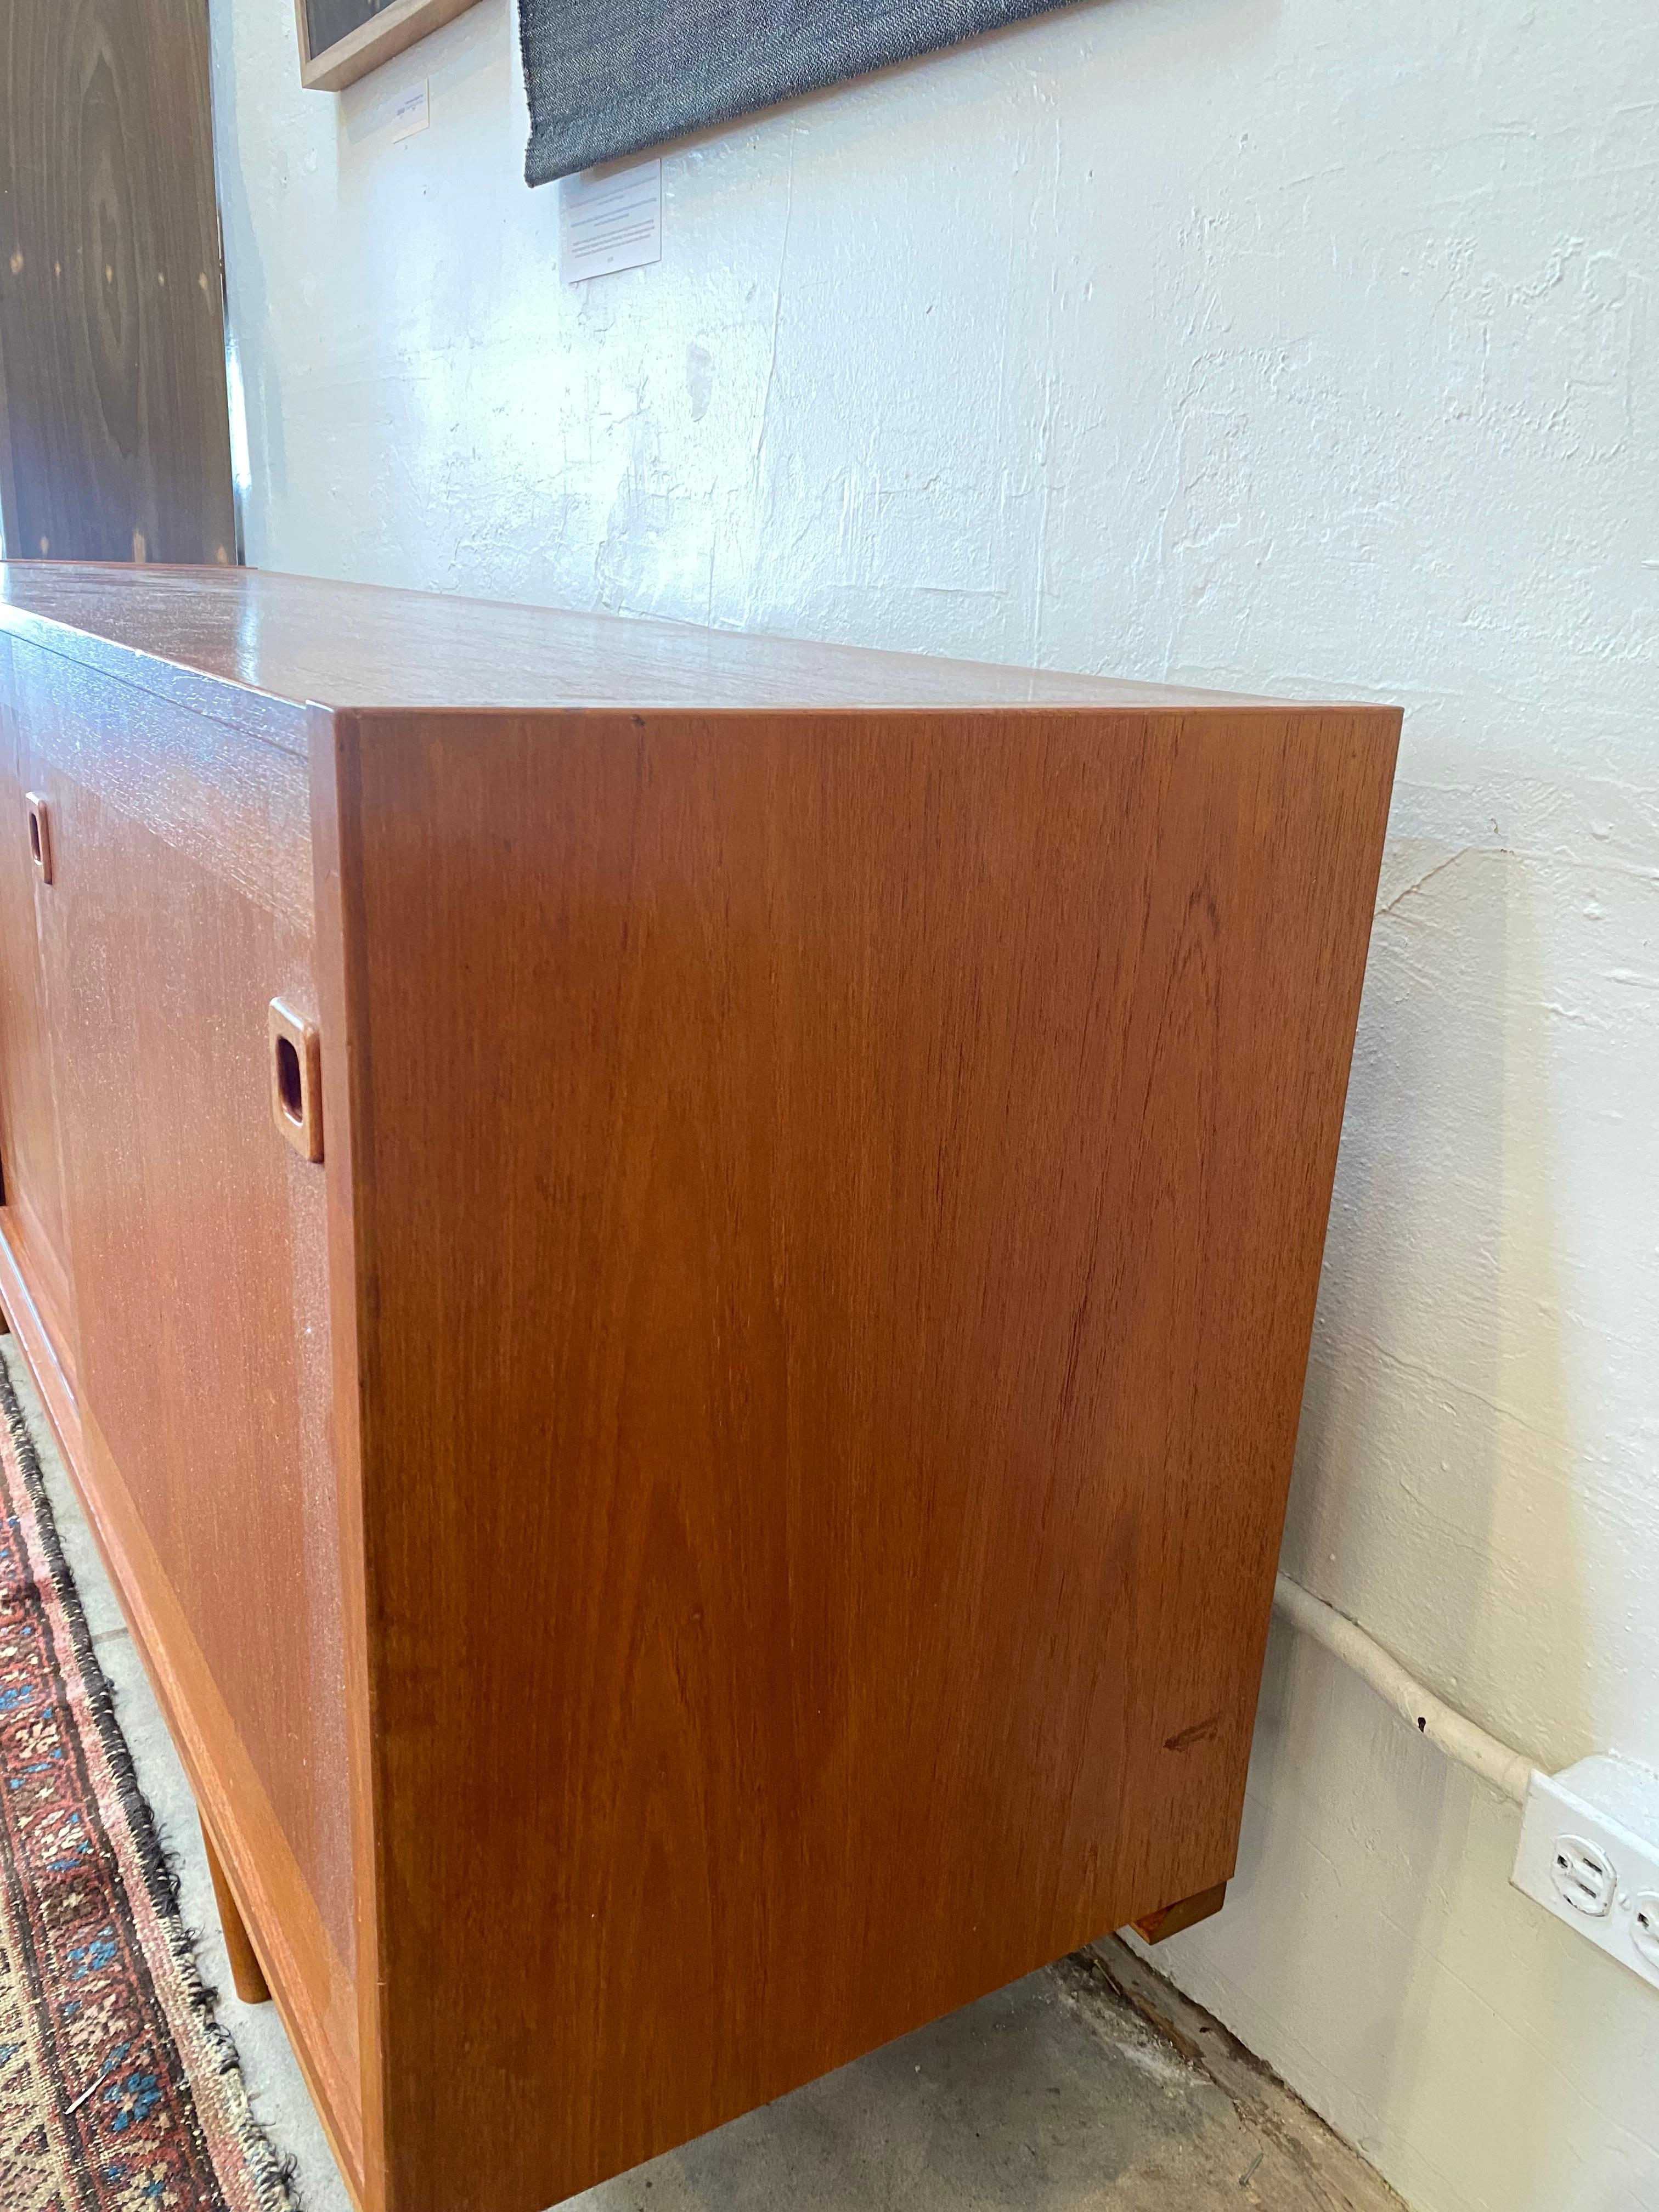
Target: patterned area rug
{"points": [[118, 2090]]}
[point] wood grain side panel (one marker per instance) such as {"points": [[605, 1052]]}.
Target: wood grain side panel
{"points": [[310, 1981], [839, 1205], [29, 1159], [35, 1335], [326, 737], [198, 1237], [313, 1990], [237, 809]]}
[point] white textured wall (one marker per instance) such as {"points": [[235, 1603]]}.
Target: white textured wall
{"points": [[1288, 343]]}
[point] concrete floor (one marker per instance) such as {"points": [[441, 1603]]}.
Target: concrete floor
{"points": [[1055, 2095]]}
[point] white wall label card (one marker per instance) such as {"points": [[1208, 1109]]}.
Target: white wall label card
{"points": [[413, 112], [609, 222]]}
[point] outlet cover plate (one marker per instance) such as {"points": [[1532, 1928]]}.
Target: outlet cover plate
{"points": [[1609, 1806]]}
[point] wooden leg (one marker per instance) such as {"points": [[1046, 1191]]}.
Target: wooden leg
{"points": [[1185, 1913], [245, 1968]]}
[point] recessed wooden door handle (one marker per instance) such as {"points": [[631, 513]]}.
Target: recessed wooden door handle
{"points": [[39, 835], [296, 1081]]}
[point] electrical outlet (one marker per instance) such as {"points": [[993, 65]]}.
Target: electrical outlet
{"points": [[1590, 1854], [1583, 1877]]}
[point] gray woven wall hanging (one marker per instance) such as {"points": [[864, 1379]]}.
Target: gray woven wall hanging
{"points": [[607, 77]]}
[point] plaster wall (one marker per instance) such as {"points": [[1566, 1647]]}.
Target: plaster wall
{"points": [[1281, 343]]}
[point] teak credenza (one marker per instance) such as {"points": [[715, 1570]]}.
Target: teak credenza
{"points": [[676, 1271]]}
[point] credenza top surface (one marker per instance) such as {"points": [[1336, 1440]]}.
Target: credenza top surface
{"points": [[284, 641]]}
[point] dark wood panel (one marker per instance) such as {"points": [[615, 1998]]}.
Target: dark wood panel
{"points": [[838, 1211], [197, 1237], [114, 439]]}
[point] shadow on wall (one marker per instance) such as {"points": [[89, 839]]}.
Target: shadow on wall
{"points": [[1433, 1503], [1433, 1492]]}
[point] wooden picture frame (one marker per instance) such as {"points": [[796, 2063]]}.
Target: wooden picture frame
{"points": [[383, 28]]}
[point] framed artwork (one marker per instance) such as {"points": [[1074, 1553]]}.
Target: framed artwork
{"points": [[610, 77], [340, 40]]}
